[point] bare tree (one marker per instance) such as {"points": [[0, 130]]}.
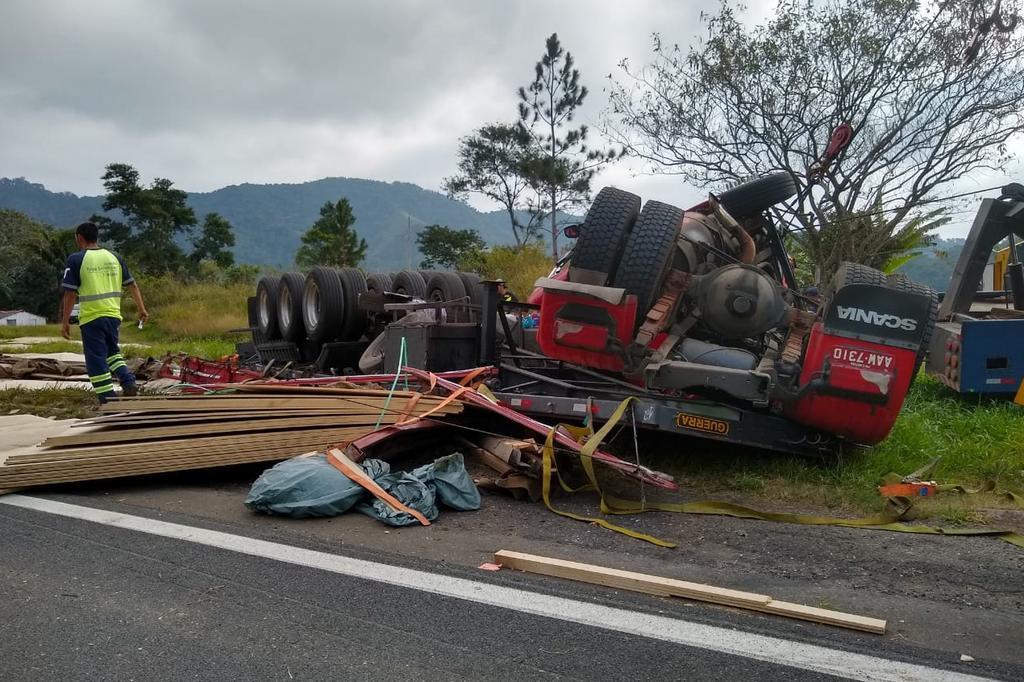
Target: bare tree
{"points": [[925, 105]]}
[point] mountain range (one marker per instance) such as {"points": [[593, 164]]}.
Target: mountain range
{"points": [[269, 219]]}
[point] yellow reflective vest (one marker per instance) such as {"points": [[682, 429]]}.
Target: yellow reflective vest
{"points": [[99, 278]]}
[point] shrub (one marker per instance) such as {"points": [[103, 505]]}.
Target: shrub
{"points": [[520, 267]]}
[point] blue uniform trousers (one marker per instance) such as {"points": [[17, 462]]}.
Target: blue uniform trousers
{"points": [[103, 360]]}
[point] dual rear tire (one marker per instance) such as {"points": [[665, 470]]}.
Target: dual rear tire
{"points": [[626, 246], [323, 306]]}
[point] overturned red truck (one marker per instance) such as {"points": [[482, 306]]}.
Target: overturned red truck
{"points": [[694, 313]]}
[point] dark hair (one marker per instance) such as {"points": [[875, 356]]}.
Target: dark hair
{"points": [[89, 232]]}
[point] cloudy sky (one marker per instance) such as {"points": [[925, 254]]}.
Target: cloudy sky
{"points": [[211, 93], [216, 92]]}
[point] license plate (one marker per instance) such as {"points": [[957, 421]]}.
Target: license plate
{"points": [[862, 359]]}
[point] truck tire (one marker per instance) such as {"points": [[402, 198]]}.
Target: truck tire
{"points": [[474, 287], [648, 254], [289, 307], [603, 235], [378, 282], [447, 286], [266, 308], [355, 320], [854, 273], [901, 282], [323, 305], [410, 283], [753, 197]]}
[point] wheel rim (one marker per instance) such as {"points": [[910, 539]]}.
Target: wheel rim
{"points": [[311, 304], [264, 309], [284, 312]]}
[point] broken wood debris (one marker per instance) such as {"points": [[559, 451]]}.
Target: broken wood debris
{"points": [[517, 463], [669, 587]]}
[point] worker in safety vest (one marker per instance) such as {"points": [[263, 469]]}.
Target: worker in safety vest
{"points": [[505, 293], [97, 277]]}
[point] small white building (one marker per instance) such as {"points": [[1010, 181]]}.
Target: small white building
{"points": [[20, 318]]}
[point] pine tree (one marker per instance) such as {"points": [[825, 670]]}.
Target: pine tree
{"points": [[563, 166], [331, 240]]}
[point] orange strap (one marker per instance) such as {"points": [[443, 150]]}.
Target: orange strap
{"points": [[432, 383], [439, 406], [468, 379], [346, 466], [410, 405]]}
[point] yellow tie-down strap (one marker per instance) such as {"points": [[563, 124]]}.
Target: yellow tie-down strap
{"points": [[615, 505]]}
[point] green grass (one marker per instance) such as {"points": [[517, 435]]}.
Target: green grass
{"points": [[70, 403], [192, 317], [196, 310], [151, 341], [45, 347], [8, 333], [157, 344], [978, 441]]}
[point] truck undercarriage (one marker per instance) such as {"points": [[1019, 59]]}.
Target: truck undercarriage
{"points": [[695, 314]]}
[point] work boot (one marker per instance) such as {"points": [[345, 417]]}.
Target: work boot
{"points": [[129, 391]]}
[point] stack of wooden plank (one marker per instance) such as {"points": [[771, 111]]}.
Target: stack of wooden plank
{"points": [[149, 435]]}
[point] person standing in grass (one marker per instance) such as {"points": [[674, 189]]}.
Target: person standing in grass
{"points": [[97, 277]]}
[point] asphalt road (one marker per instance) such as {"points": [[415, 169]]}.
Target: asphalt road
{"points": [[81, 599]]}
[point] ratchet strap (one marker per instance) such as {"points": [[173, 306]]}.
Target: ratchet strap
{"points": [[611, 504]]}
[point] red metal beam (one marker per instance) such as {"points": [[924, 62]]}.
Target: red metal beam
{"points": [[655, 478]]}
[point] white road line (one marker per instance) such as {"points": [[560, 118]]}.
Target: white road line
{"points": [[735, 642]]}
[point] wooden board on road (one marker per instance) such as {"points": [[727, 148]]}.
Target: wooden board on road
{"points": [[669, 587]]}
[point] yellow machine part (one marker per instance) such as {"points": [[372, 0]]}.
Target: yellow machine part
{"points": [[999, 267]]}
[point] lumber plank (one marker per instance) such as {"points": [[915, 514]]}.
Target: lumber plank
{"points": [[29, 473], [238, 405], [133, 417], [318, 390], [126, 462], [195, 430], [326, 394], [334, 394], [233, 390], [263, 403], [129, 459], [825, 616], [50, 470], [155, 467], [650, 584], [128, 420], [626, 580], [180, 444]]}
